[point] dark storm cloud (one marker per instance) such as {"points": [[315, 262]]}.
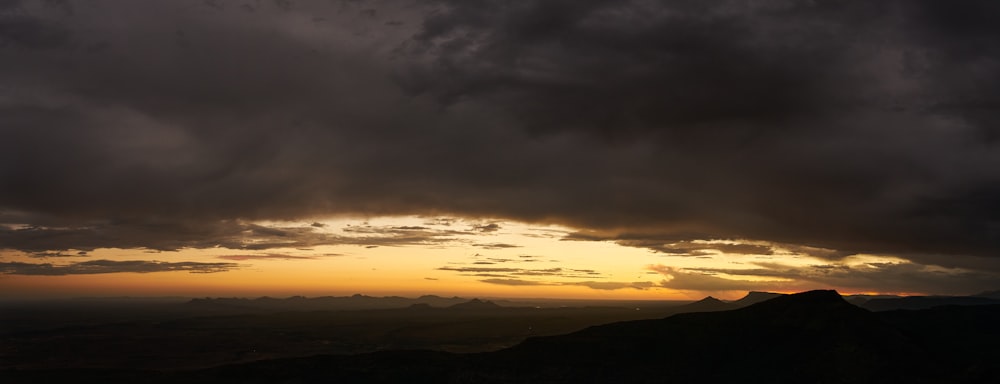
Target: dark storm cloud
{"points": [[109, 266], [619, 67], [807, 122], [18, 31], [851, 126]]}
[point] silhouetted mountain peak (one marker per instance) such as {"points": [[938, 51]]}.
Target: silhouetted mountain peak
{"points": [[708, 304], [709, 299], [476, 304], [754, 297]]}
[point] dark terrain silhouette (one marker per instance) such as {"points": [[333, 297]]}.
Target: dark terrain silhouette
{"points": [[811, 337]]}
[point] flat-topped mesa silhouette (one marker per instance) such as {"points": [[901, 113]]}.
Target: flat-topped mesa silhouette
{"points": [[803, 302], [813, 309]]}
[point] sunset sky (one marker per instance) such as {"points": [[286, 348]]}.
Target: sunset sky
{"points": [[532, 148]]}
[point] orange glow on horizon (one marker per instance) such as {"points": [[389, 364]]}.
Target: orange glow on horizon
{"points": [[414, 256]]}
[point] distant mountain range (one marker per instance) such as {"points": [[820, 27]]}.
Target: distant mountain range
{"points": [[476, 305], [355, 302], [364, 302], [708, 304]]}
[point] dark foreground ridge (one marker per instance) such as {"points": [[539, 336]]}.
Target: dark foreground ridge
{"points": [[811, 337]]}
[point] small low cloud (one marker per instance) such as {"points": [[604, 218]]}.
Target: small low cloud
{"points": [[542, 272], [272, 256], [46, 254], [515, 282], [496, 245], [443, 221], [487, 268], [597, 285], [614, 285], [94, 267], [479, 269], [486, 228]]}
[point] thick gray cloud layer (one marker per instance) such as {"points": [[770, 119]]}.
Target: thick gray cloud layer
{"points": [[858, 126]]}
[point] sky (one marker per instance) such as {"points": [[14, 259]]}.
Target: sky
{"points": [[532, 148]]}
